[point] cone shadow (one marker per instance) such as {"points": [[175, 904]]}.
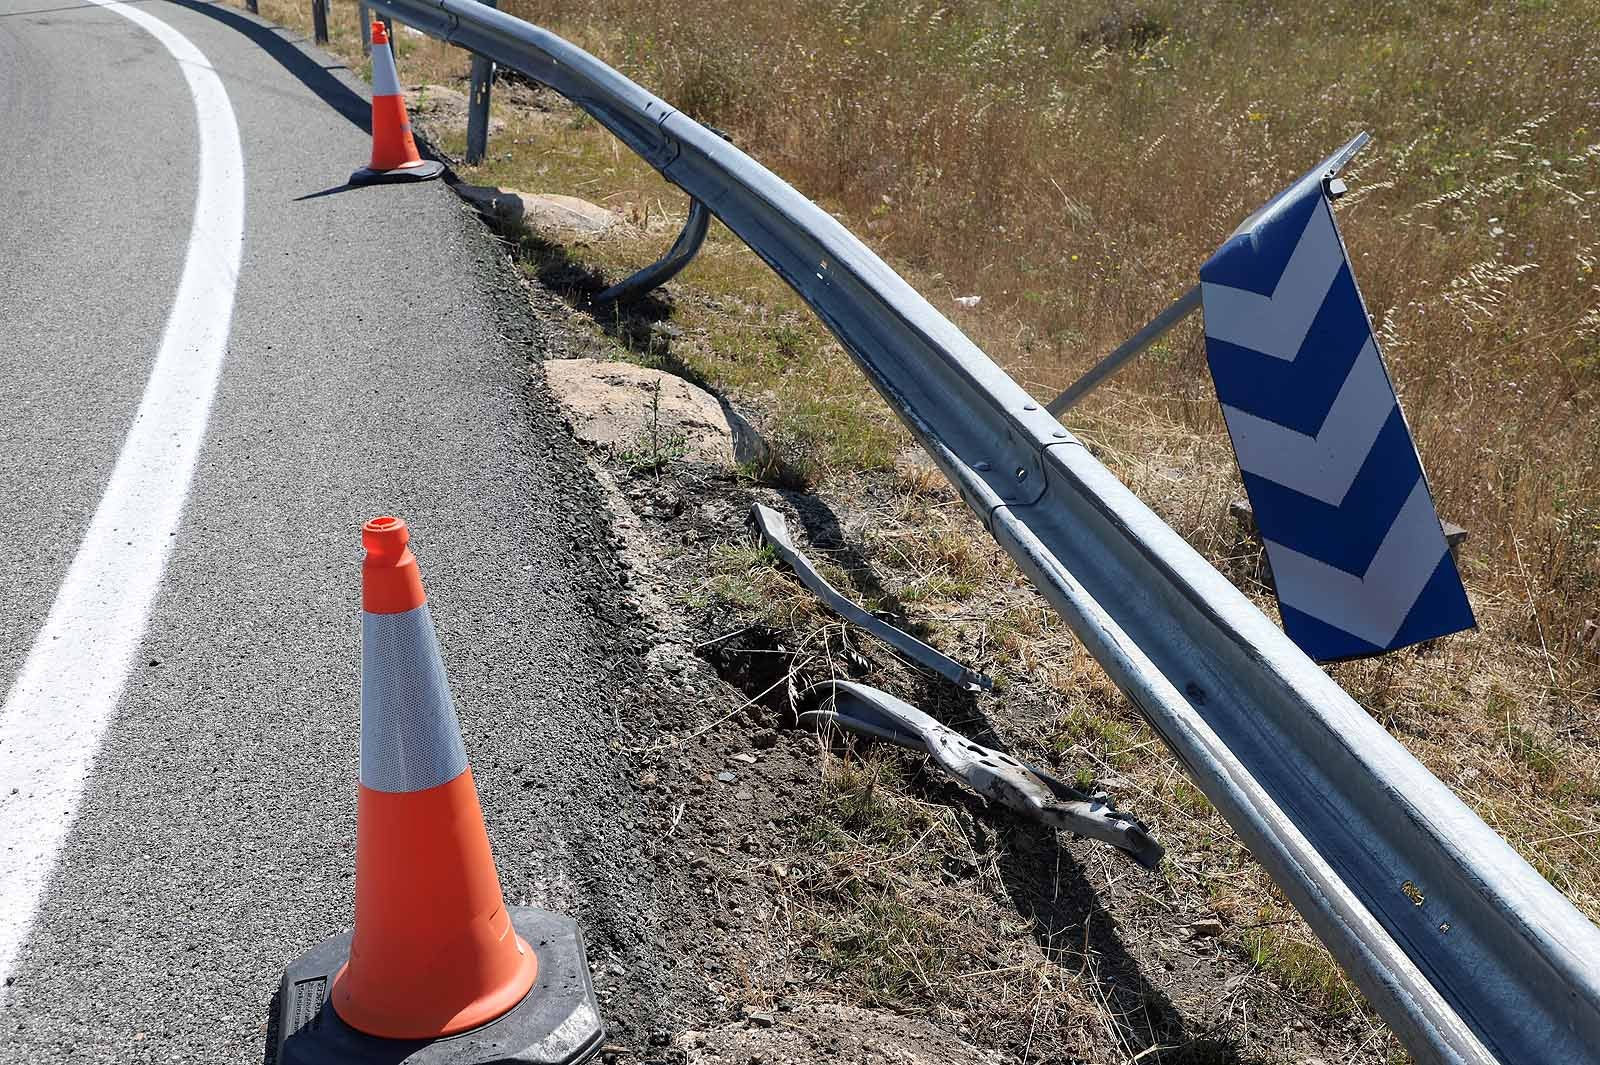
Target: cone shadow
{"points": [[333, 191]]}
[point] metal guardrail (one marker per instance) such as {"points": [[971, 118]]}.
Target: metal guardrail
{"points": [[668, 266], [1468, 953]]}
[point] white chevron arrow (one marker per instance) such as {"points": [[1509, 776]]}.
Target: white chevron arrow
{"points": [[1322, 466], [1277, 325], [1374, 606]]}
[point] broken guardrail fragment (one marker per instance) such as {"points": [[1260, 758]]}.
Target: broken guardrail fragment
{"points": [[993, 774], [775, 531]]}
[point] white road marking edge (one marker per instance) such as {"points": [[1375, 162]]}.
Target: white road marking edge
{"points": [[52, 723]]}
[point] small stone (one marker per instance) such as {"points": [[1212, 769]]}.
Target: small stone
{"points": [[1210, 927], [1241, 513], [727, 776], [743, 796], [747, 759], [762, 1020]]}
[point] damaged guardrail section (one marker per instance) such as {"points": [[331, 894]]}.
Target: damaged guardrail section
{"points": [[1469, 954], [993, 774]]}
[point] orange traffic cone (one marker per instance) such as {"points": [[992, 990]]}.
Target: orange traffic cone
{"points": [[394, 151], [435, 951]]}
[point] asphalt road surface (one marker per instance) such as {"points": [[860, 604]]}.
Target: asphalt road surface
{"points": [[177, 784]]}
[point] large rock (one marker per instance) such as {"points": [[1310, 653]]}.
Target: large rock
{"points": [[612, 405], [435, 98], [549, 214], [807, 1035], [441, 107]]}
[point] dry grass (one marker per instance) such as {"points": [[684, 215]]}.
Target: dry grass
{"points": [[905, 895], [1073, 163], [1521, 756]]}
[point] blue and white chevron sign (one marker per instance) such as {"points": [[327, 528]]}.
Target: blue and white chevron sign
{"points": [[1357, 554]]}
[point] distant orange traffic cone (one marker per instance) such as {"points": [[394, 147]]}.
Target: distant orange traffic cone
{"points": [[435, 952], [394, 151]]}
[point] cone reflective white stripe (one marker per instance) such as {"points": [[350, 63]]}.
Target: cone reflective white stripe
{"points": [[410, 736], [385, 78]]}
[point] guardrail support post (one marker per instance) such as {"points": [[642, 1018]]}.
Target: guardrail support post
{"points": [[478, 106], [363, 16], [667, 267], [319, 20], [1185, 305]]}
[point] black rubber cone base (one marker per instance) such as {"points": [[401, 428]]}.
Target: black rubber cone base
{"points": [[557, 1024], [427, 170]]}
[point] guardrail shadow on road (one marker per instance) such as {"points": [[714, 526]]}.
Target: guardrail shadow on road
{"points": [[290, 52]]}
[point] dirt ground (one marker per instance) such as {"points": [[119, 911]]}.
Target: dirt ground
{"points": [[847, 902]]}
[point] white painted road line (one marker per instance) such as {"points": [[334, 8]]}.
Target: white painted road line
{"points": [[53, 720]]}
